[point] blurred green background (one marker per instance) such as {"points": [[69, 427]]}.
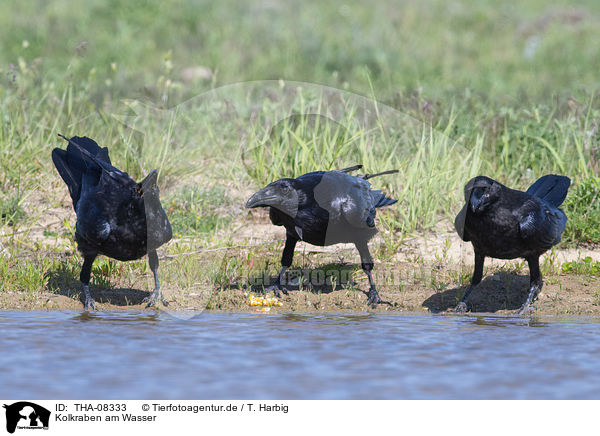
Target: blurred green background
{"points": [[512, 50]]}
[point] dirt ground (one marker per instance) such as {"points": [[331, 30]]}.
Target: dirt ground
{"points": [[426, 276], [499, 293], [424, 273]]}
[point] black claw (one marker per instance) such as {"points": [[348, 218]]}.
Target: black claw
{"points": [[526, 309], [89, 305], [461, 307], [153, 298], [151, 303], [373, 299], [277, 290]]}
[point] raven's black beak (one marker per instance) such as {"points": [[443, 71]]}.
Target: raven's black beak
{"points": [[264, 197], [149, 181], [475, 203]]}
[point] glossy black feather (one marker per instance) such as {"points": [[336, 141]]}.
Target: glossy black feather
{"points": [[551, 188], [74, 162], [506, 223], [325, 208], [517, 224], [311, 221], [114, 217], [314, 221]]}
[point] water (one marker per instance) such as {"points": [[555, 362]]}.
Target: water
{"points": [[138, 355]]}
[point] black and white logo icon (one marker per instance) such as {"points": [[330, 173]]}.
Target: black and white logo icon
{"points": [[26, 415]]}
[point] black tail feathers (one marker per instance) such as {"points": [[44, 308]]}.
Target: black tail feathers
{"points": [[365, 176], [551, 188], [350, 169], [381, 200], [383, 173]]}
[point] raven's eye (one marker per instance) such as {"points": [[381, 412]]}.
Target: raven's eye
{"points": [[285, 189]]}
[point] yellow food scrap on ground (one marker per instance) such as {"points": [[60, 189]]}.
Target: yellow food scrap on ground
{"points": [[266, 302]]}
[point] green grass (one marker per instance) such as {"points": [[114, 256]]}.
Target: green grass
{"points": [[192, 210], [11, 210], [25, 275], [584, 266], [461, 88], [583, 210]]}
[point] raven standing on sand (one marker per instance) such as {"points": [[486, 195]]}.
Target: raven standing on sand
{"points": [[507, 224], [325, 208], [116, 216]]}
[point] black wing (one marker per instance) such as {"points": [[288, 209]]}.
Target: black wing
{"points": [[459, 224], [540, 224], [71, 176], [76, 161]]}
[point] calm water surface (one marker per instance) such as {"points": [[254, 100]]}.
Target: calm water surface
{"points": [[138, 355]]}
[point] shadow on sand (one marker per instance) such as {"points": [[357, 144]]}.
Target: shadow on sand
{"points": [[63, 282], [499, 291]]}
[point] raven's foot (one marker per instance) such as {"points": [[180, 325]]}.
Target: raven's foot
{"points": [[526, 309], [89, 304], [154, 297], [461, 307], [373, 299], [277, 290]]}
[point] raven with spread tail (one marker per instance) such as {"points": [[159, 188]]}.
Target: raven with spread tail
{"points": [[506, 224], [325, 208], [116, 216]]}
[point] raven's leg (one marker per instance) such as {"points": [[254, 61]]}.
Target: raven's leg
{"points": [[535, 285], [286, 262], [461, 307], [366, 262], [156, 294], [84, 276]]}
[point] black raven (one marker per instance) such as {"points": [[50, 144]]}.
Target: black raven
{"points": [[325, 208], [506, 224], [116, 216]]}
